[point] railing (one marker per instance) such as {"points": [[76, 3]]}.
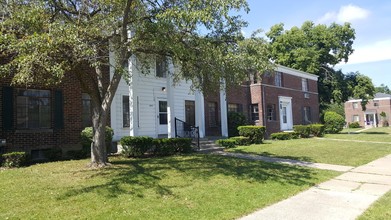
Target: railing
{"points": [[185, 130]]}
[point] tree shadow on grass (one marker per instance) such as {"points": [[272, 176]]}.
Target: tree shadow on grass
{"points": [[374, 132], [137, 176], [267, 154]]}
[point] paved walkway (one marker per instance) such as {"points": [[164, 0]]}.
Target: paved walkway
{"points": [[286, 161], [344, 197]]}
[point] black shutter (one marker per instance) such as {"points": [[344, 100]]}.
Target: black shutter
{"points": [[8, 108], [58, 110]]}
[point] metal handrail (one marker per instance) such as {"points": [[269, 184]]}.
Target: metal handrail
{"points": [[185, 130]]}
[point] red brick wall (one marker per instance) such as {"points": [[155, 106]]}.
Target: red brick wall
{"points": [[67, 138], [267, 93]]}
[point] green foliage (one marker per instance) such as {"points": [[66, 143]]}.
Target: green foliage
{"points": [[227, 143], [136, 146], [317, 130], [382, 89], [315, 49], [171, 146], [139, 146], [302, 130], [364, 90], [86, 138], [14, 159], [354, 125], [256, 134], [334, 107], [383, 114], [281, 136], [235, 119], [240, 140], [333, 122]]}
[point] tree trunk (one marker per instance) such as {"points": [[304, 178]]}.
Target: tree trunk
{"points": [[98, 146]]}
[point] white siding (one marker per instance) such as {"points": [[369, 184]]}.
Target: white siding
{"points": [[148, 89]]}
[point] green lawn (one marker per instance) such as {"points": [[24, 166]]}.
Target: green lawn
{"points": [[319, 150], [373, 134], [380, 210], [183, 187]]}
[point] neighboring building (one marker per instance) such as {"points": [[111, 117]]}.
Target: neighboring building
{"points": [[371, 116], [34, 119], [277, 100]]}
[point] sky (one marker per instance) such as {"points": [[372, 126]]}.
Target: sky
{"points": [[370, 19]]}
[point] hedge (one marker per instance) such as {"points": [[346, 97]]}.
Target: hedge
{"points": [[256, 134], [240, 140], [136, 146], [355, 124], [86, 139], [226, 143], [14, 159], [302, 130], [235, 119], [139, 146], [317, 130], [281, 136]]}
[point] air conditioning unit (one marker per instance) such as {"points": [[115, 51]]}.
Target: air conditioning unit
{"points": [[306, 95]]}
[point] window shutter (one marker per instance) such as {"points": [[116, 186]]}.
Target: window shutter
{"points": [[303, 116], [58, 110], [8, 108]]}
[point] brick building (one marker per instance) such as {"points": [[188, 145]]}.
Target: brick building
{"points": [[371, 116], [278, 101], [34, 119]]}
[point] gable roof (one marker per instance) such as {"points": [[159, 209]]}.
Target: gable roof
{"points": [[377, 96]]}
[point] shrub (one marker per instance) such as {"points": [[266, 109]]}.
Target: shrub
{"points": [[86, 138], [281, 136], [227, 143], [79, 154], [235, 119], [256, 134], [317, 130], [354, 125], [136, 146], [333, 122], [171, 146], [240, 140], [14, 159], [302, 130]]}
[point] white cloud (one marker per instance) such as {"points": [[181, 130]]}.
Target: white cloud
{"points": [[377, 51], [347, 13]]}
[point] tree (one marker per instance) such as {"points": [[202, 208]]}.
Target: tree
{"points": [[315, 49], [382, 89], [363, 90], [43, 41]]}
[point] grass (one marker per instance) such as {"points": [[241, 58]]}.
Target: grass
{"points": [[382, 134], [181, 187], [339, 152], [380, 210]]}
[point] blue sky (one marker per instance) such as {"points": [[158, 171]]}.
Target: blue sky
{"points": [[370, 19]]}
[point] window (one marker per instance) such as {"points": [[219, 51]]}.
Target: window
{"points": [[278, 79], [33, 108], [304, 85], [190, 112], [125, 112], [235, 107], [163, 120], [355, 105], [376, 103], [307, 115], [355, 118], [161, 67], [254, 112], [271, 112], [86, 110], [212, 110]]}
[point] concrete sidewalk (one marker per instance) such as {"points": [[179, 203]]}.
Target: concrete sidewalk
{"points": [[344, 197]]}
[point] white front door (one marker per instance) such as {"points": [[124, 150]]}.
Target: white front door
{"points": [[162, 121], [286, 120]]}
